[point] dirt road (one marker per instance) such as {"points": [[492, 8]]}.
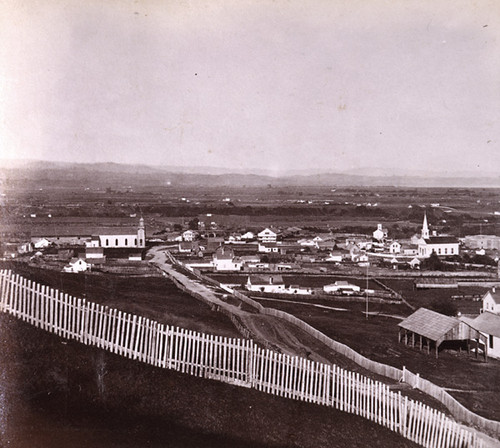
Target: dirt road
{"points": [[269, 330]]}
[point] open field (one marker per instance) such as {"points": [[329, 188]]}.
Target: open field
{"points": [[153, 297], [73, 205], [426, 297]]}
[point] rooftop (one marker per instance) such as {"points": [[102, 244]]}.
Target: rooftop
{"points": [[495, 296], [488, 323], [441, 240], [266, 280], [429, 324]]}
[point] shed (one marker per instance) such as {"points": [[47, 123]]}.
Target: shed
{"points": [[430, 328]]}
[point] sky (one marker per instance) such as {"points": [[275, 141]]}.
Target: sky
{"points": [[328, 85]]}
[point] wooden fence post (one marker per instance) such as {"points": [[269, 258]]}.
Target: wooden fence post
{"points": [[3, 278], [24, 293]]}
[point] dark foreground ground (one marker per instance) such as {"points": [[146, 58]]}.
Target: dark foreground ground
{"points": [[56, 393]]}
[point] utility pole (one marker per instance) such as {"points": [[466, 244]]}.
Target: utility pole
{"points": [[366, 290]]}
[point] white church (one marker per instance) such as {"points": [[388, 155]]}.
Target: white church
{"points": [[121, 238], [440, 245]]}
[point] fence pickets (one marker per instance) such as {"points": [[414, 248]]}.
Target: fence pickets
{"points": [[230, 360]]}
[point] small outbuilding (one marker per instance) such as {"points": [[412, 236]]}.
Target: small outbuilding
{"points": [[341, 286], [77, 265], [427, 329]]}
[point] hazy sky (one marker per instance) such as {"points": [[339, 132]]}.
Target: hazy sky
{"points": [[278, 85]]}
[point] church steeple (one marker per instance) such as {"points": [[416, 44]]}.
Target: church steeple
{"points": [[141, 234], [425, 228]]}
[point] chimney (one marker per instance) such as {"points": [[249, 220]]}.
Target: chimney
{"points": [[494, 289]]}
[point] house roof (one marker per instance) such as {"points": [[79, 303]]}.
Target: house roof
{"points": [[266, 279], [82, 231], [494, 295], [441, 240], [429, 324], [488, 323], [267, 231], [224, 253], [118, 232]]}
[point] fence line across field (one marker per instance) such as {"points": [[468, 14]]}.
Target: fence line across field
{"points": [[235, 361], [458, 410]]}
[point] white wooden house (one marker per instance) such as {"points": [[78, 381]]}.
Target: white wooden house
{"points": [[269, 248], [41, 243], [189, 235], [266, 283], [77, 265], [224, 260], [395, 247], [491, 301], [414, 263], [267, 236]]}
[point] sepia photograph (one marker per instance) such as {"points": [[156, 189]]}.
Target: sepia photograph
{"points": [[254, 223]]}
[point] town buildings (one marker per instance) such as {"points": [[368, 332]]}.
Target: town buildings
{"points": [[267, 236]]}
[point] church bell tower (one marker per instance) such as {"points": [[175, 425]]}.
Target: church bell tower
{"points": [[141, 234], [425, 228]]}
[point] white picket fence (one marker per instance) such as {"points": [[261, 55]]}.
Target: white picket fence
{"points": [[234, 361]]}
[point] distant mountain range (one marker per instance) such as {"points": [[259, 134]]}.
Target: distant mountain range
{"points": [[209, 176]]}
